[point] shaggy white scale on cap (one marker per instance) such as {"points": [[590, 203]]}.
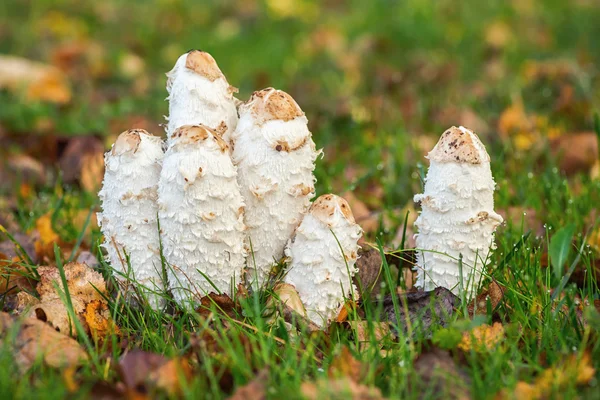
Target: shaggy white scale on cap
{"points": [[322, 257], [275, 156], [129, 210], [457, 214], [201, 214], [200, 94]]}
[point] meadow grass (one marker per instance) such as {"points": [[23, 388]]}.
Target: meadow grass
{"points": [[354, 87]]}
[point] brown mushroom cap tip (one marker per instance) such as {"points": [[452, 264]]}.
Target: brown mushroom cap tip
{"points": [[325, 206], [459, 145], [128, 141], [197, 133], [273, 104], [203, 64]]}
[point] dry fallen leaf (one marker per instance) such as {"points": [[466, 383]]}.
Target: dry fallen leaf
{"points": [[253, 390], [548, 383], [86, 286], [367, 220], [221, 302], [38, 81], [38, 341], [345, 365], [577, 152], [44, 244], [482, 338], [425, 311], [439, 373], [369, 271], [144, 372], [83, 162], [494, 294], [367, 332], [339, 389], [97, 317]]}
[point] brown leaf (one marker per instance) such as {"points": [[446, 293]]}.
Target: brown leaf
{"points": [[494, 293], [339, 389], [221, 302], [83, 162], [85, 286], [345, 365], [253, 390], [367, 332], [425, 310], [144, 372], [38, 81], [577, 153], [363, 216], [24, 168], [438, 372], [369, 272], [36, 340]]}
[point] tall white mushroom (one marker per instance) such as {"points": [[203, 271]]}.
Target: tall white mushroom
{"points": [[201, 214], [322, 256], [457, 214], [275, 155], [129, 212], [200, 94]]}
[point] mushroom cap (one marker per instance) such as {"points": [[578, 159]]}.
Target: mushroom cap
{"points": [[329, 207], [192, 134], [203, 64], [129, 141], [272, 104], [459, 145]]}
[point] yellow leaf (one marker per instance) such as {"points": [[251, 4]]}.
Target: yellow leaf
{"points": [[44, 245], [39, 81], [554, 380], [482, 338]]}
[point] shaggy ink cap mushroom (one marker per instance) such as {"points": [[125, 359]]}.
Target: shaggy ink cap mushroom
{"points": [[275, 156], [322, 257], [457, 218], [128, 218]]}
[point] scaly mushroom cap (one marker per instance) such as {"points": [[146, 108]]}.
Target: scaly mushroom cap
{"points": [[203, 64], [459, 145], [270, 104], [190, 134], [329, 208], [200, 94]]}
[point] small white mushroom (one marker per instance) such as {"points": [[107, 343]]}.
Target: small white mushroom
{"points": [[322, 257], [201, 214], [275, 156], [129, 212], [457, 216], [200, 94]]}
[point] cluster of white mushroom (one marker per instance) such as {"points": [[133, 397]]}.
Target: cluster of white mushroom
{"points": [[231, 195]]}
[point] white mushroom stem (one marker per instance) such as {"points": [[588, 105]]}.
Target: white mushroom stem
{"points": [[275, 156], [201, 214], [200, 94], [322, 257], [129, 211], [457, 216]]}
